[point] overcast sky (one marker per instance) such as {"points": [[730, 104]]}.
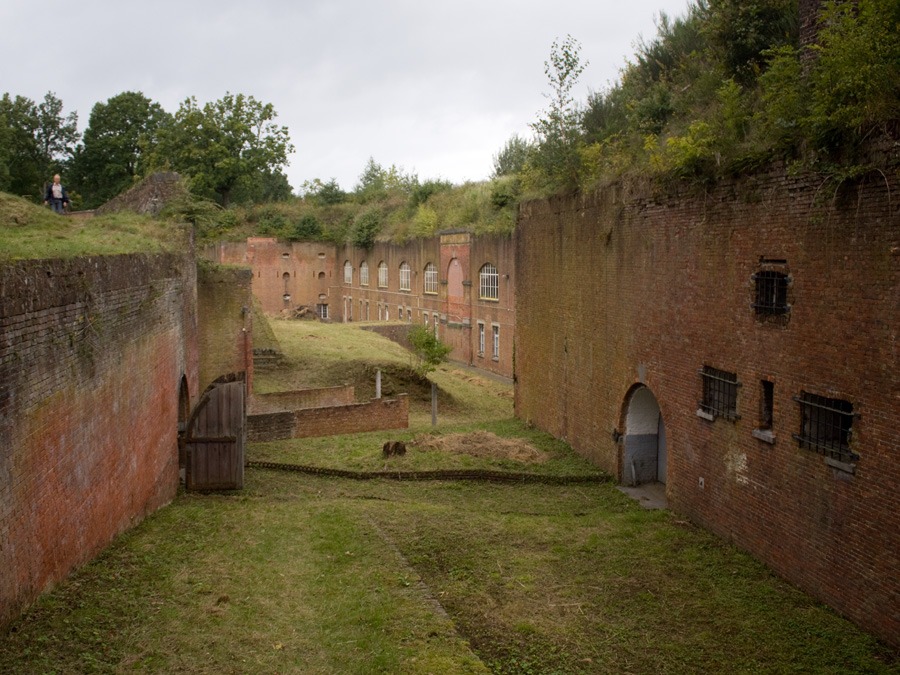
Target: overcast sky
{"points": [[433, 87]]}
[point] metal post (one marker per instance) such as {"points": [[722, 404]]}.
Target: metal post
{"points": [[378, 383], [433, 404]]}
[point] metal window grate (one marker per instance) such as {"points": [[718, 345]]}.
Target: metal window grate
{"points": [[826, 426], [719, 393], [771, 293]]}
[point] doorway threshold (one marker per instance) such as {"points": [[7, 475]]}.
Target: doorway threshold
{"points": [[649, 495]]}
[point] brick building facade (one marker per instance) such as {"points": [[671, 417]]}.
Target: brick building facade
{"points": [[740, 346], [459, 285]]}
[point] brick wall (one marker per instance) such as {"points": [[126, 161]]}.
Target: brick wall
{"points": [[615, 292], [225, 323], [303, 398], [376, 415], [93, 353]]}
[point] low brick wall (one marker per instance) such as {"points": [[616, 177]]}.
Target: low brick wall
{"points": [[288, 401], [376, 415]]}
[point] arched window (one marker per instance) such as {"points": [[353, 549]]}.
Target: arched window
{"points": [[404, 277], [363, 273], [382, 274], [348, 272], [431, 278], [488, 283]]}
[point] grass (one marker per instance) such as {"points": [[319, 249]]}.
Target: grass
{"points": [[302, 574], [31, 232]]}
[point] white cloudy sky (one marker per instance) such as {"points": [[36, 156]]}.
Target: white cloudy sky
{"points": [[434, 87]]}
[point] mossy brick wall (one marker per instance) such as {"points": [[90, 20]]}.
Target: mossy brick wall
{"points": [[376, 415], [302, 398], [615, 290], [225, 322], [92, 355]]}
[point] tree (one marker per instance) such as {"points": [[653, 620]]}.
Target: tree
{"points": [[120, 135], [428, 351], [36, 142], [512, 157], [558, 127], [323, 193], [223, 143]]}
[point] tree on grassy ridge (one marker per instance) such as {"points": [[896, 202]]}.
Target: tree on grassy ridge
{"points": [[427, 350]]}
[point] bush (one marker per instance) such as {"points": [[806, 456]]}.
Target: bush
{"points": [[427, 350]]}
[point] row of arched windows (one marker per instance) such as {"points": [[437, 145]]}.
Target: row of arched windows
{"points": [[488, 278]]}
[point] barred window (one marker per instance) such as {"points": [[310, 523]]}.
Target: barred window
{"points": [[771, 293], [719, 393], [826, 426], [480, 339], [364, 273], [382, 275], [489, 283], [404, 277], [348, 272], [431, 278], [496, 343]]}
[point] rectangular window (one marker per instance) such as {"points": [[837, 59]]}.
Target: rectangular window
{"points": [[409, 315], [382, 275], [364, 274], [367, 310], [322, 311], [431, 279], [826, 426], [496, 341], [437, 322], [766, 405], [480, 339], [399, 314], [719, 393], [771, 293], [405, 283], [488, 283]]}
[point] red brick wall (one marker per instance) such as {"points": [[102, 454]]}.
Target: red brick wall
{"points": [[376, 415], [614, 291], [92, 355], [310, 270]]}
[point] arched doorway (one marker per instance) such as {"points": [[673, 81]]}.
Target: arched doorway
{"points": [[644, 447]]}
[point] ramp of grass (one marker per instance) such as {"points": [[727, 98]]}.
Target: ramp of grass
{"points": [[28, 231]]}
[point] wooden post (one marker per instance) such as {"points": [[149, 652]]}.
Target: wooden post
{"points": [[378, 383]]}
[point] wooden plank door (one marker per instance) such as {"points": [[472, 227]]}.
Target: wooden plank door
{"points": [[215, 439]]}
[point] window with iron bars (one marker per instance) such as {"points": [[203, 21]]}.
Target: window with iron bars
{"points": [[719, 393], [364, 273], [826, 426], [348, 272], [382, 274], [771, 293]]}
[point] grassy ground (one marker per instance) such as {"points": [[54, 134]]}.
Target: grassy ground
{"points": [[301, 574], [31, 232]]}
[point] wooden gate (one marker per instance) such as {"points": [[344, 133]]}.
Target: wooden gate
{"points": [[215, 437]]}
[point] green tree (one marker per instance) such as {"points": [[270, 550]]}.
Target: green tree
{"points": [[323, 194], [37, 141], [558, 127], [428, 351], [120, 134], [223, 143]]}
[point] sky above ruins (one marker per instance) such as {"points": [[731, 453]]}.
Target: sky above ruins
{"points": [[433, 87]]}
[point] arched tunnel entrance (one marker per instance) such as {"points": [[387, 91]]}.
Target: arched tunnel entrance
{"points": [[644, 447]]}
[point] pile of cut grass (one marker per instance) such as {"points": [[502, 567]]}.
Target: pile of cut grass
{"points": [[29, 232]]}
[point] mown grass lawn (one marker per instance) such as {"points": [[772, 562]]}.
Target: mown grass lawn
{"points": [[303, 574]]}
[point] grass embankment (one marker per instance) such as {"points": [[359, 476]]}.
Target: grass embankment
{"points": [[31, 232], [302, 574]]}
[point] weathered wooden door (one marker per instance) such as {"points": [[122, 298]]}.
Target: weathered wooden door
{"points": [[215, 438]]}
